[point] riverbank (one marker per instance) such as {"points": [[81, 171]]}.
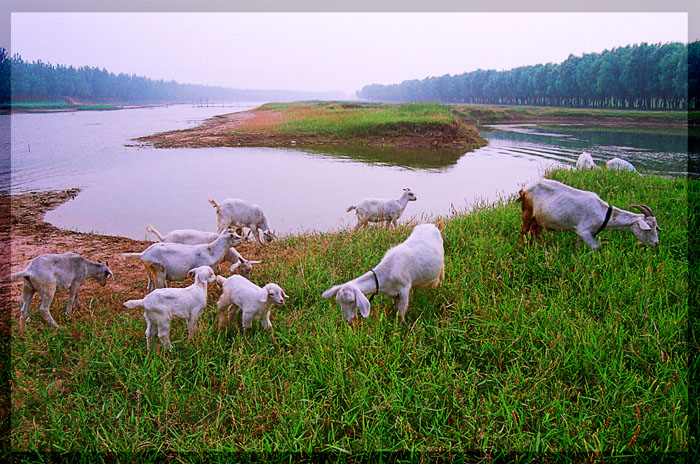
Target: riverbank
{"points": [[545, 347], [329, 123], [485, 115], [52, 107]]}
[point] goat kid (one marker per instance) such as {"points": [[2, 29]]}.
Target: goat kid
{"points": [[241, 294], [163, 305]]}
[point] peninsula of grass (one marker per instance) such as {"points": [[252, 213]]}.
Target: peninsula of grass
{"points": [[546, 347], [419, 125]]}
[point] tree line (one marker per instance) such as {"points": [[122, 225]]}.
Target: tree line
{"points": [[39, 81], [657, 76]]}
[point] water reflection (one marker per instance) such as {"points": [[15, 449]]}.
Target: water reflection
{"points": [[410, 158]]}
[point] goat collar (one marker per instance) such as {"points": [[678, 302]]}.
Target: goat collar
{"points": [[376, 282], [605, 222]]}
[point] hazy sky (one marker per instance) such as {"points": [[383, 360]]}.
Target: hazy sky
{"points": [[325, 51]]}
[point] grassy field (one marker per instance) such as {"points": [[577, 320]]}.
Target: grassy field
{"points": [[353, 119], [542, 348]]}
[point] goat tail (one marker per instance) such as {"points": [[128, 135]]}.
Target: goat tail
{"points": [[350, 208], [151, 229], [131, 304], [521, 197], [221, 279], [213, 203], [18, 276], [440, 225], [131, 255]]}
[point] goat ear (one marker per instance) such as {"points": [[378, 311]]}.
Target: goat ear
{"points": [[233, 267], [330, 292], [263, 295], [643, 225], [254, 262], [362, 302], [284, 294]]}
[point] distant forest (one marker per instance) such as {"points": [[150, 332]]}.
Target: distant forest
{"points": [[39, 81], [657, 76]]}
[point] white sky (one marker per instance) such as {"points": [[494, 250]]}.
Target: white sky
{"points": [[325, 51]]}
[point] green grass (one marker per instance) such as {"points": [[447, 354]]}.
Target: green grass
{"points": [[542, 348], [362, 120]]}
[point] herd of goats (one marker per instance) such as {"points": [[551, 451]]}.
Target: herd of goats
{"points": [[418, 262]]}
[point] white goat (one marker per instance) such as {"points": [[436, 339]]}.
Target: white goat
{"points": [[163, 305], [617, 163], [50, 272], [585, 161], [241, 213], [184, 236], [379, 210], [255, 302], [172, 261], [548, 204], [418, 262], [198, 237]]}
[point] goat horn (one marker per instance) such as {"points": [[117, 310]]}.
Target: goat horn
{"points": [[644, 209]]}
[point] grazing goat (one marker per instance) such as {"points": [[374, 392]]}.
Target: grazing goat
{"points": [[418, 262], [548, 204], [617, 163], [379, 210], [585, 161], [163, 305], [198, 237], [255, 302], [240, 213], [172, 261], [47, 273]]}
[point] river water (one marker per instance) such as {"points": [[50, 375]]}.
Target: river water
{"points": [[126, 186]]}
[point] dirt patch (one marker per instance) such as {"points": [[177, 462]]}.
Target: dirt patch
{"points": [[25, 235], [247, 129]]}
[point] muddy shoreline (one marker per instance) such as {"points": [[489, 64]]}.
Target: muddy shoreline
{"points": [[24, 235]]}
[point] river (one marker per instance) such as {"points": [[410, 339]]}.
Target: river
{"points": [[126, 186]]}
